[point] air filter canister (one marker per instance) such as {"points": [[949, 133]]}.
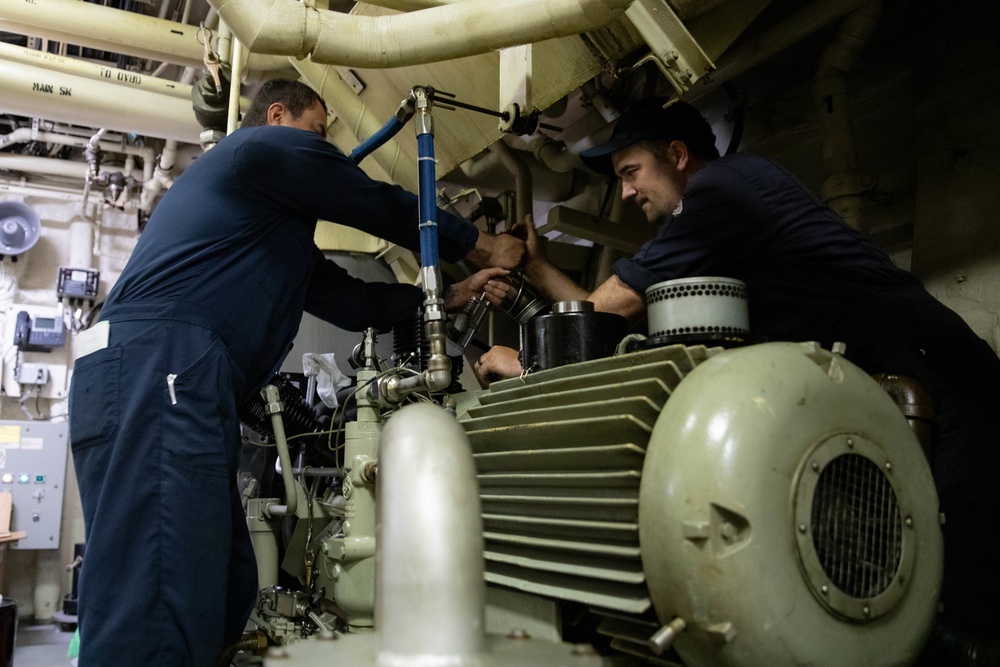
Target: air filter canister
{"points": [[698, 306]]}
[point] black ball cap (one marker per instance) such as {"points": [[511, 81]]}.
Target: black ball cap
{"points": [[649, 119]]}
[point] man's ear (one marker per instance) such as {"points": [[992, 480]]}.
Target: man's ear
{"points": [[275, 113], [679, 154]]}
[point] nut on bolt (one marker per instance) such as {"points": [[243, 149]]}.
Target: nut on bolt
{"points": [[370, 472]]}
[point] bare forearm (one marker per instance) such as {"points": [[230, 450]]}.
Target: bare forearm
{"points": [[553, 283]]}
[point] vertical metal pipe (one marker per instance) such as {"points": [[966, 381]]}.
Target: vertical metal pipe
{"points": [[234, 87], [429, 565]]}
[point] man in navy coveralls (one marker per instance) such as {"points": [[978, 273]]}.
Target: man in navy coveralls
{"points": [[203, 314], [810, 277]]}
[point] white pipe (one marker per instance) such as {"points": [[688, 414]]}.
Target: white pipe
{"points": [[290, 27], [153, 180], [49, 166], [81, 243], [429, 562], [523, 188], [23, 135], [552, 153], [233, 119], [114, 30], [60, 193], [106, 73], [410, 5], [477, 167], [33, 91], [349, 109]]}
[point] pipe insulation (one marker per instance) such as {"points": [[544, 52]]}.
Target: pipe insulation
{"points": [[36, 92], [114, 30], [429, 588], [90, 70], [292, 28]]}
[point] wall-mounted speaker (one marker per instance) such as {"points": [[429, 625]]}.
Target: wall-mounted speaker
{"points": [[19, 227]]}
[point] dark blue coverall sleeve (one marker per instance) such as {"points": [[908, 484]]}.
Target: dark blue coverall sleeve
{"points": [[379, 305], [318, 168]]}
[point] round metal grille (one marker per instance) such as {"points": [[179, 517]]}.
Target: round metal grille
{"points": [[857, 528]]}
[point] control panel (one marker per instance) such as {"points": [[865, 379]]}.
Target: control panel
{"points": [[33, 470]]}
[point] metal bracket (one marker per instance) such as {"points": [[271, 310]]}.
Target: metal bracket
{"points": [[674, 50]]}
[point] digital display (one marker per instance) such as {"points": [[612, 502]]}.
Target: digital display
{"points": [[45, 323]]}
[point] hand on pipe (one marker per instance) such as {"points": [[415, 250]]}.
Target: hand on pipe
{"points": [[497, 364], [503, 251], [491, 282], [534, 246]]}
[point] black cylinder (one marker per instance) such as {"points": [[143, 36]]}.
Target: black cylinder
{"points": [[574, 335]]}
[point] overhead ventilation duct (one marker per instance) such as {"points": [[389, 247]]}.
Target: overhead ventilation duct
{"points": [[114, 30], [289, 27]]}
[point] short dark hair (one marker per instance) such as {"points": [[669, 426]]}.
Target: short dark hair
{"points": [[295, 95], [649, 120]]}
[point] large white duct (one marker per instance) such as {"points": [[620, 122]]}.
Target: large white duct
{"points": [[114, 30], [290, 27], [33, 91]]}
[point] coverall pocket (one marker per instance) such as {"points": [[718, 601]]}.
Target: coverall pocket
{"points": [[198, 413], [94, 398]]}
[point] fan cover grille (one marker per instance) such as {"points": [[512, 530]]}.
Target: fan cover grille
{"points": [[857, 528]]}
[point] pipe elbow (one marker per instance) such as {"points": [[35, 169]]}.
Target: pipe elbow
{"points": [[277, 27]]}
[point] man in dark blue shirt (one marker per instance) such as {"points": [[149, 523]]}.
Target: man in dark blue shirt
{"points": [[810, 277], [201, 317]]}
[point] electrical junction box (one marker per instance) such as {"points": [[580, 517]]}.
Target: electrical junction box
{"points": [[33, 470], [78, 284], [18, 362], [31, 374]]}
